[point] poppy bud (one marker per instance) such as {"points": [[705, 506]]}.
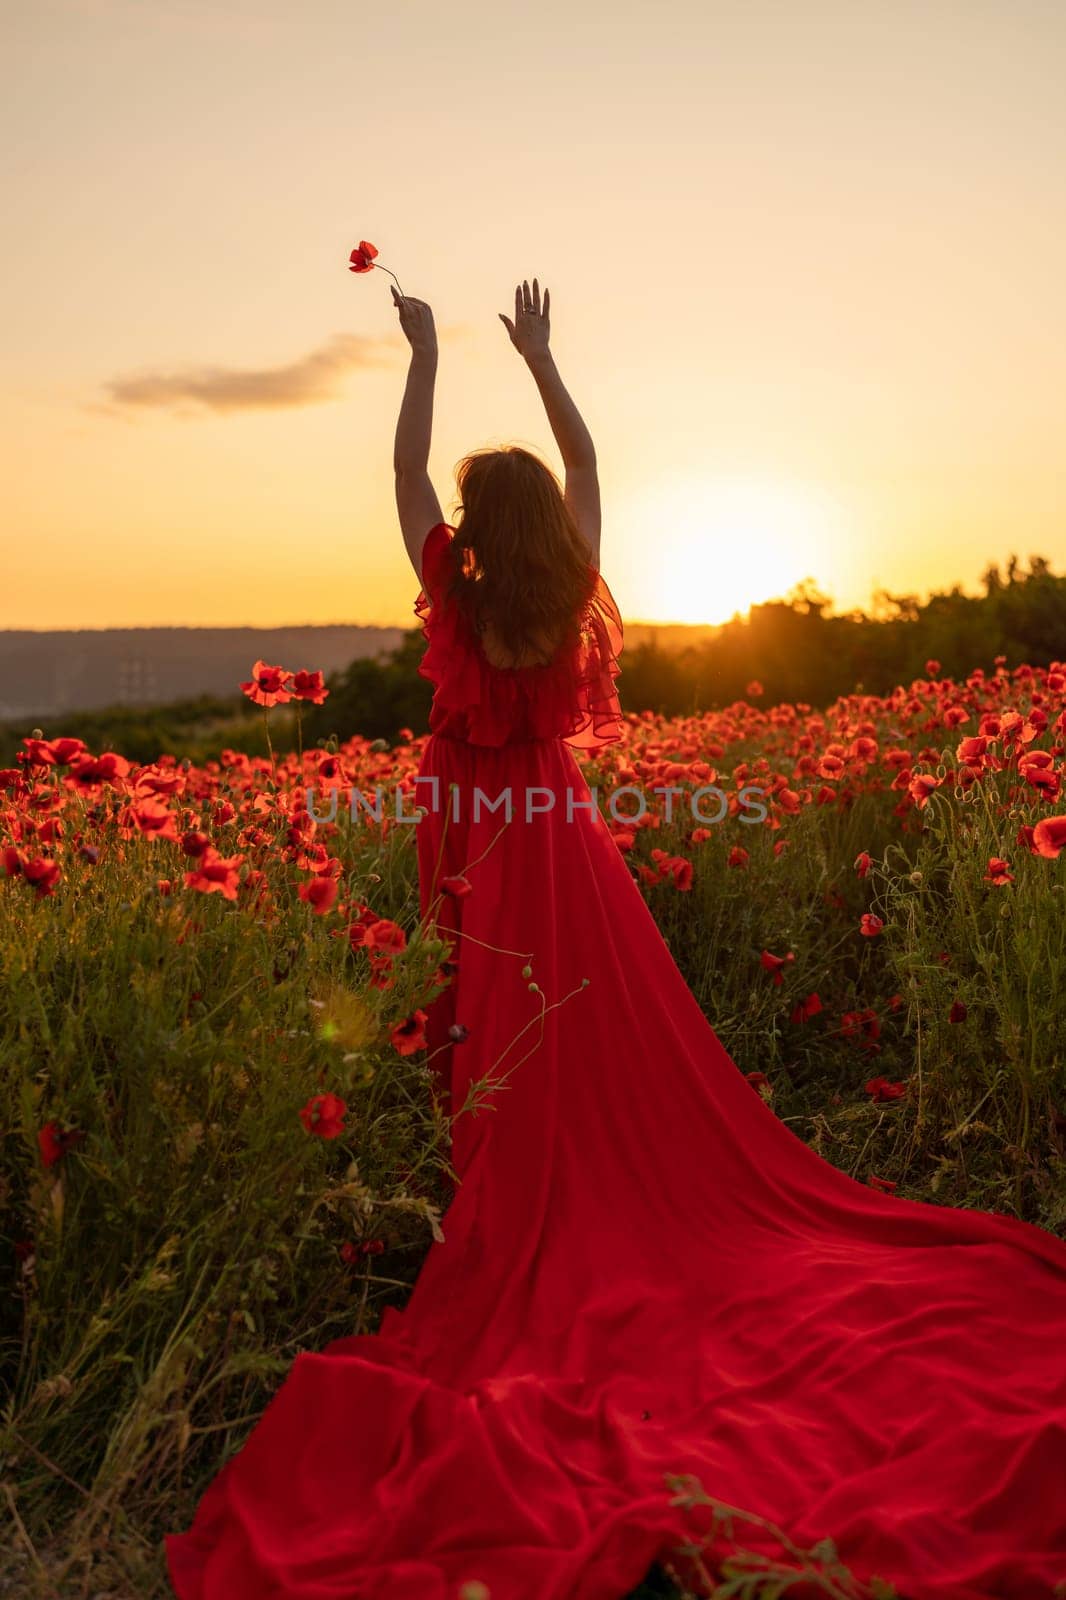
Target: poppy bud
{"points": [[527, 971]]}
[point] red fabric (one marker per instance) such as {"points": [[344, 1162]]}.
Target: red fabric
{"points": [[573, 698], [644, 1271]]}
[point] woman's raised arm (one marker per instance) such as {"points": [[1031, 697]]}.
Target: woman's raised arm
{"points": [[416, 499], [529, 333]]}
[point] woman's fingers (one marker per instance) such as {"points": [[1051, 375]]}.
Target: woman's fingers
{"points": [[528, 300], [547, 302]]}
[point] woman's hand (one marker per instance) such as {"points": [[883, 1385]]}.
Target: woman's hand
{"points": [[416, 320], [530, 329]]}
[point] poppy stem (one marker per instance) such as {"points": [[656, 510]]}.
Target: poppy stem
{"points": [[270, 747], [393, 276]]}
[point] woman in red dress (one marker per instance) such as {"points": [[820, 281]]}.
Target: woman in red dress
{"points": [[644, 1271]]}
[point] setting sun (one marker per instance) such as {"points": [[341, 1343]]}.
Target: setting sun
{"points": [[716, 548]]}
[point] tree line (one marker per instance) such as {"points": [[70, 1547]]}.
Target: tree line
{"points": [[794, 649]]}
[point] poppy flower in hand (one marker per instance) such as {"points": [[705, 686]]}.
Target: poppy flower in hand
{"points": [[362, 258]]}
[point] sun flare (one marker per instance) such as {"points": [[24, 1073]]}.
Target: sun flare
{"points": [[715, 548]]}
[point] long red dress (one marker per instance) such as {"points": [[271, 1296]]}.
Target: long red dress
{"points": [[644, 1270]]}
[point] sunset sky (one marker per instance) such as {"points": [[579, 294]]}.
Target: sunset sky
{"points": [[807, 263]]}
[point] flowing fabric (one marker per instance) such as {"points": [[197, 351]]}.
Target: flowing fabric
{"points": [[644, 1272]]}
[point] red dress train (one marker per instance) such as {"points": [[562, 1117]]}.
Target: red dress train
{"points": [[644, 1270]]}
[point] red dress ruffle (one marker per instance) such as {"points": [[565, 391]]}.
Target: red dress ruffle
{"points": [[572, 698]]}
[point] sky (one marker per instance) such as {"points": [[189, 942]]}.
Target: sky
{"points": [[806, 262]]}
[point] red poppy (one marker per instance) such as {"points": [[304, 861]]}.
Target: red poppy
{"points": [[410, 1035], [738, 857], [863, 862], [457, 887], [215, 874], [806, 1009], [1037, 770], [53, 1142], [319, 893], [957, 1012], [350, 1253], [381, 934], [53, 752], [309, 686], [870, 926], [43, 873], [194, 844], [87, 772], [773, 965], [998, 871], [323, 1115], [932, 668], [155, 819], [1049, 837], [268, 686], [362, 259], [880, 1089], [863, 1026], [674, 867], [754, 689], [758, 1080], [921, 787]]}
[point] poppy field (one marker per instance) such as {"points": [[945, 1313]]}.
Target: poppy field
{"points": [[222, 1142]]}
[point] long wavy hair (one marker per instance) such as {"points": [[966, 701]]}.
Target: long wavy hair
{"points": [[521, 567]]}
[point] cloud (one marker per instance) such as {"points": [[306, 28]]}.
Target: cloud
{"points": [[313, 379]]}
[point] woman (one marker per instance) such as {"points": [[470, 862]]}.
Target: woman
{"points": [[644, 1271]]}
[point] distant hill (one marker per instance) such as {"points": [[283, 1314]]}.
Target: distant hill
{"points": [[44, 674]]}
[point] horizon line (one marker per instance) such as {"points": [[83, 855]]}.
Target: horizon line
{"points": [[275, 627]]}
